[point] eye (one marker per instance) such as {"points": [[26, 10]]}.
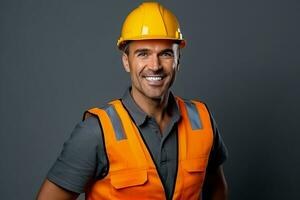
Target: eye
{"points": [[142, 54], [167, 55]]}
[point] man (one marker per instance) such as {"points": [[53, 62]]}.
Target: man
{"points": [[150, 144]]}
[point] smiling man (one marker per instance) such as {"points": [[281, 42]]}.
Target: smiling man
{"points": [[152, 65], [150, 144]]}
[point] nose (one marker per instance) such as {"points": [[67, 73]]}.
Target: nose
{"points": [[154, 63]]}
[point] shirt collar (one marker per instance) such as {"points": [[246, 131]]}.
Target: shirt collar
{"points": [[139, 116]]}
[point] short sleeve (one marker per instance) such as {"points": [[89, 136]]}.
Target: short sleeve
{"points": [[79, 161], [219, 153]]}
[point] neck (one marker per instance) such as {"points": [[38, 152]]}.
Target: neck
{"points": [[156, 108]]}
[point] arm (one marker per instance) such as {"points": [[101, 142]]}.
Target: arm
{"points": [[50, 191], [215, 186], [81, 161]]}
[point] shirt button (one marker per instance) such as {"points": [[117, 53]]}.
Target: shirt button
{"points": [[104, 171]]}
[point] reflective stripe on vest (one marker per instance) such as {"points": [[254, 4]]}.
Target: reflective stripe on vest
{"points": [[192, 112], [193, 115], [116, 122], [132, 173]]}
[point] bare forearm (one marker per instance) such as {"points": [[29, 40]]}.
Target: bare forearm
{"points": [[215, 187], [219, 193], [50, 191]]}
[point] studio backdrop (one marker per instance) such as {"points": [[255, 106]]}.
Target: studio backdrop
{"points": [[59, 58]]}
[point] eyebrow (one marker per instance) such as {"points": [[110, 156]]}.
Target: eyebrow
{"points": [[141, 50], [146, 50], [167, 51]]}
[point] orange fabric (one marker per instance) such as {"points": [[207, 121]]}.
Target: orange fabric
{"points": [[132, 172]]}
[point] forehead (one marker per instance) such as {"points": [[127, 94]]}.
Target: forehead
{"points": [[151, 44]]}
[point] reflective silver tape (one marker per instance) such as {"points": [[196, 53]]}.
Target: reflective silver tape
{"points": [[193, 115], [116, 122]]}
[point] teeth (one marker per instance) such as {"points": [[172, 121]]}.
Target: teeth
{"points": [[153, 78]]}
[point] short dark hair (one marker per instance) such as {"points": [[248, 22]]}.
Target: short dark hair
{"points": [[125, 47]]}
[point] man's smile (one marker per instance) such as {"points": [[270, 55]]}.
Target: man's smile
{"points": [[153, 78]]}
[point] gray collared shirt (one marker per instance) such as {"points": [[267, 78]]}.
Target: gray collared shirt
{"points": [[83, 160]]}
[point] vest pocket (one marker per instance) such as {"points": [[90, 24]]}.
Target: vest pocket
{"points": [[195, 165], [128, 178], [194, 173]]}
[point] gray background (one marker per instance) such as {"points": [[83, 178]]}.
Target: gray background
{"points": [[59, 58]]}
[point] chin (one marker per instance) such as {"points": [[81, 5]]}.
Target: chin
{"points": [[155, 95], [156, 98]]}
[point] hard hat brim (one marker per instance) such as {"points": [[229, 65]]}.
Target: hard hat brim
{"points": [[121, 43]]}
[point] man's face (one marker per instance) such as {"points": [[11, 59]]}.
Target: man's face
{"points": [[152, 65]]}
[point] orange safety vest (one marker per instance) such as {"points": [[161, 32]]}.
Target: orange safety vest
{"points": [[132, 172]]}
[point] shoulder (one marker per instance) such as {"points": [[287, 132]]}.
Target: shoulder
{"points": [[191, 101], [91, 124], [202, 108], [96, 111], [85, 135], [194, 104], [88, 129]]}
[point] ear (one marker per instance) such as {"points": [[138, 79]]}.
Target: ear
{"points": [[178, 64], [178, 67], [177, 55], [125, 62]]}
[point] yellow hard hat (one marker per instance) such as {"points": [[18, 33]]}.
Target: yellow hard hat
{"points": [[150, 21]]}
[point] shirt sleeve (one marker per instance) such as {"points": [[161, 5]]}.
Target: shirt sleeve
{"points": [[219, 153], [82, 158]]}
